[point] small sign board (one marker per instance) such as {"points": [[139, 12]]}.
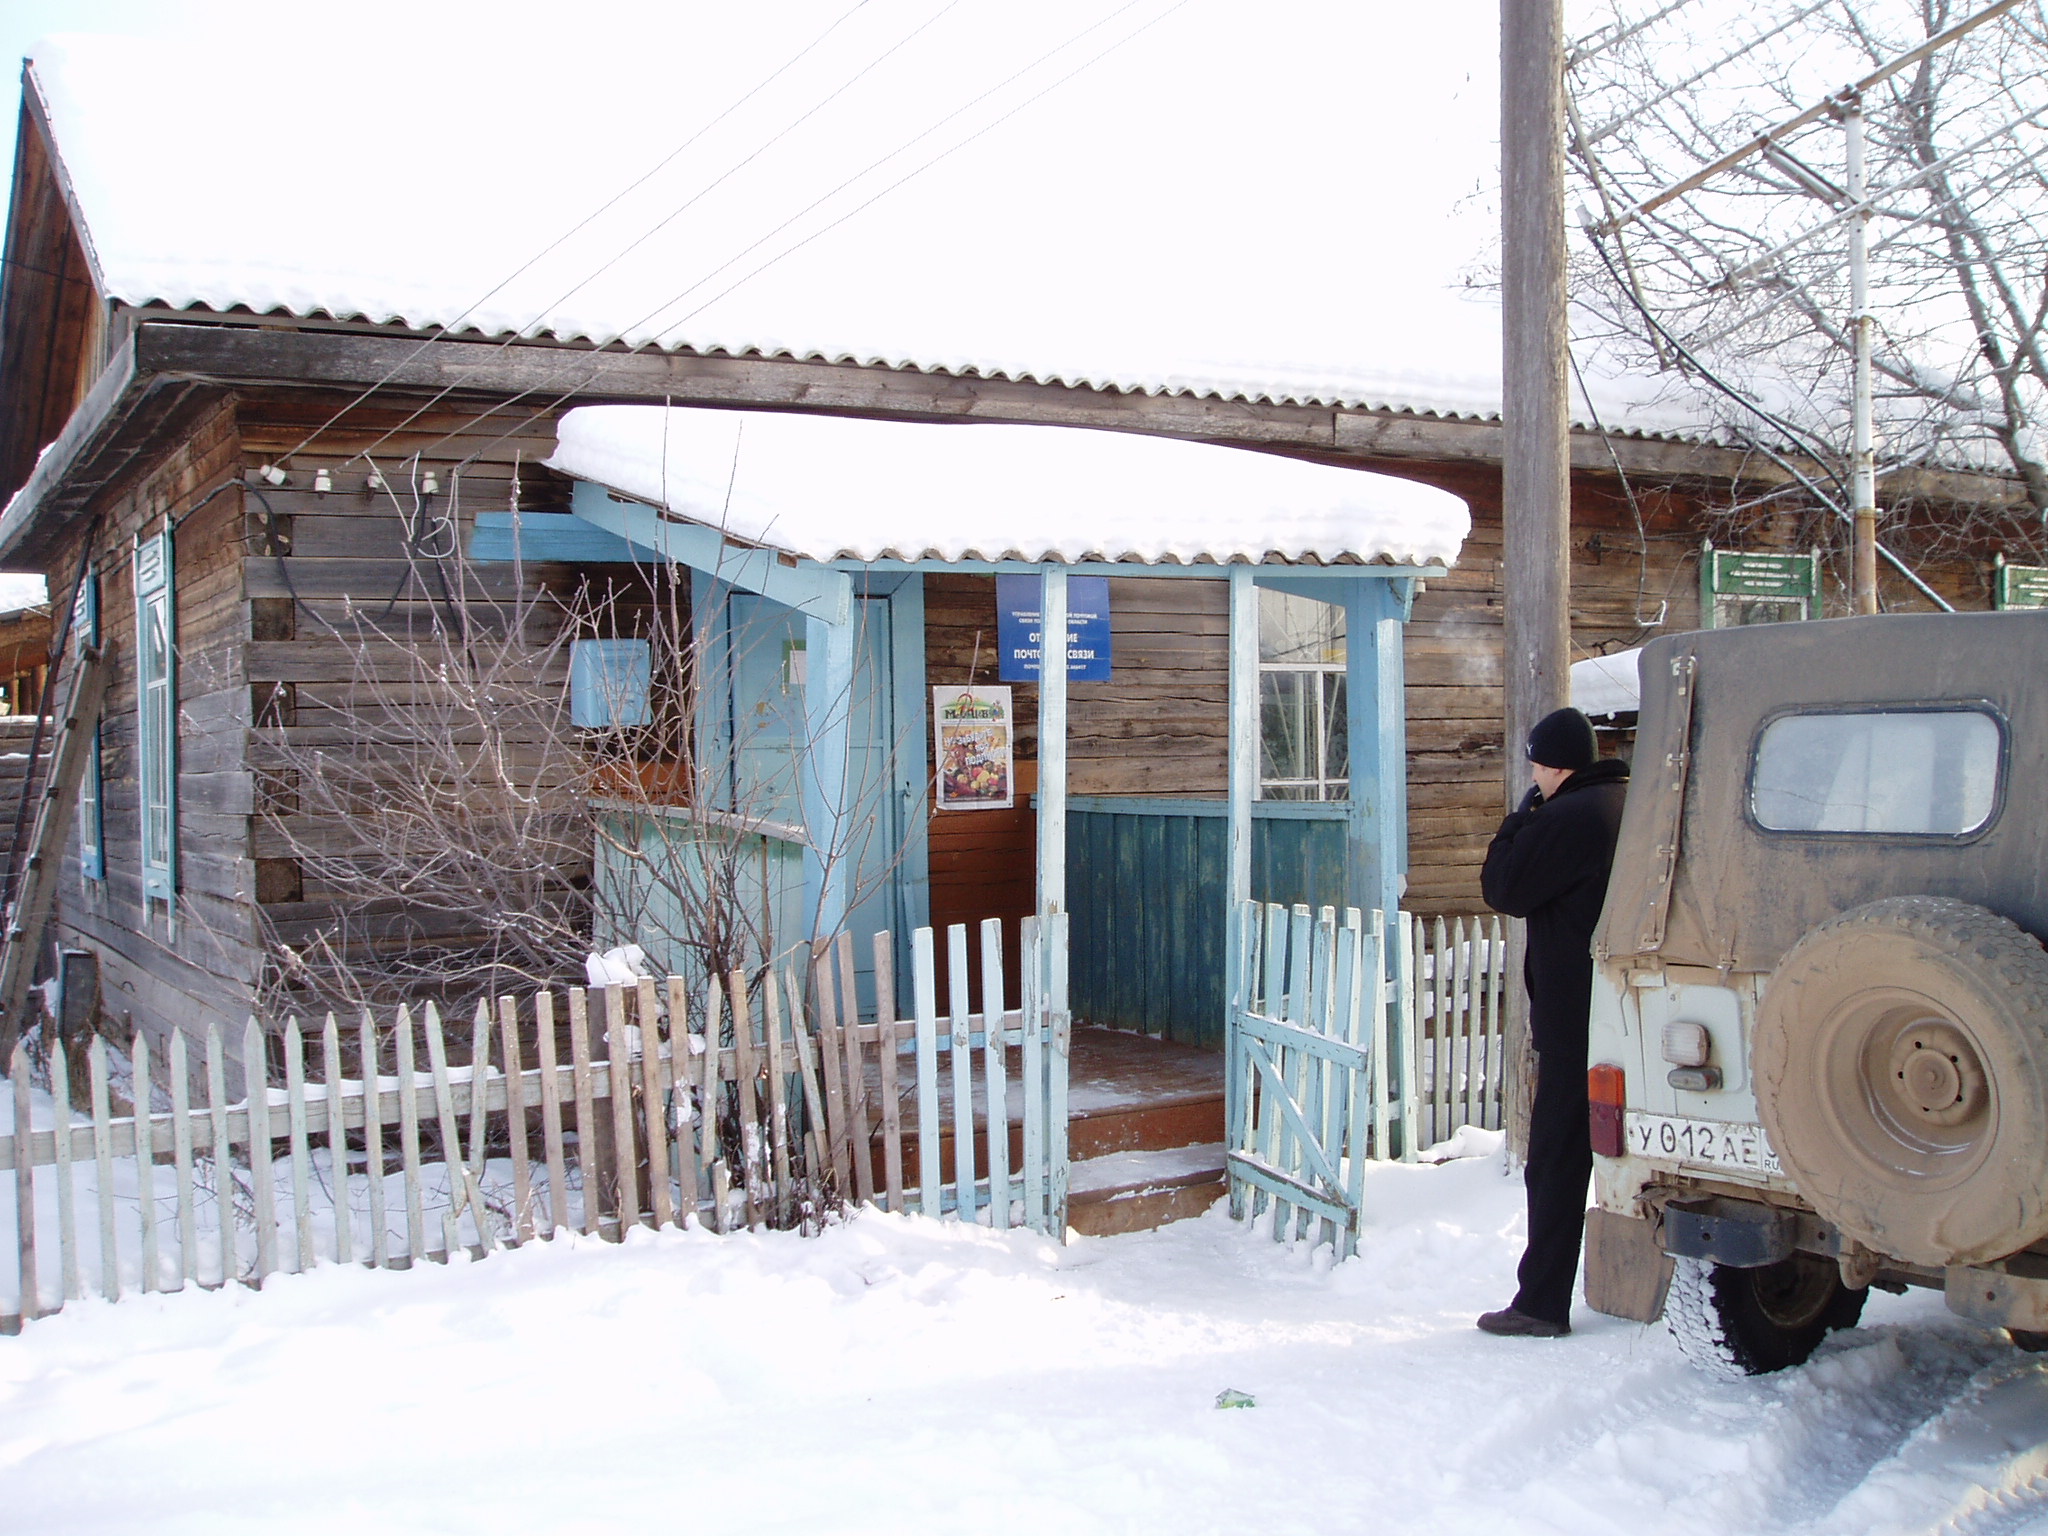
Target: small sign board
{"points": [[974, 745], [1755, 587], [2019, 586], [1018, 630]]}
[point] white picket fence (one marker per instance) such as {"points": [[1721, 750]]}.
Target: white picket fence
{"points": [[1457, 971], [780, 1105]]}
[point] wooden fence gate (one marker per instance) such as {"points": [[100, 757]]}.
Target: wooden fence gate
{"points": [[1307, 1101], [755, 1099], [1345, 1045]]}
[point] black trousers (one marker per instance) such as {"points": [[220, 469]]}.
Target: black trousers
{"points": [[1560, 1163]]}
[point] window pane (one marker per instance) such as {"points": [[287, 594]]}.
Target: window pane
{"points": [[1299, 629], [1337, 747], [1287, 725], [1923, 771]]}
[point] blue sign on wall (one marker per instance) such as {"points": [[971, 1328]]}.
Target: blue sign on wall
{"points": [[1017, 628]]}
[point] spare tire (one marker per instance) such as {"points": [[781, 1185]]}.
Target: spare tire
{"points": [[1901, 1065]]}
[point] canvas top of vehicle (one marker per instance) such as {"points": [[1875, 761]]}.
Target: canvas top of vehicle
{"points": [[1820, 1024]]}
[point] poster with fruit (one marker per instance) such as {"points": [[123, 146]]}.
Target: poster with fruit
{"points": [[973, 744]]}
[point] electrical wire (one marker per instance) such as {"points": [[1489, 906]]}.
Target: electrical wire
{"points": [[444, 329]]}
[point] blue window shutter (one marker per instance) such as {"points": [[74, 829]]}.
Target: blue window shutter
{"points": [[156, 734], [92, 841]]}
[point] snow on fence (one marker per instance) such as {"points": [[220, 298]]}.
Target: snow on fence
{"points": [[778, 1106], [1459, 973]]}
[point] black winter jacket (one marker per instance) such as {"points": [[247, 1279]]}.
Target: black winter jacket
{"points": [[1549, 863]]}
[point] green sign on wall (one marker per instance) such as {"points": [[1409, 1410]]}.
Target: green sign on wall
{"points": [[2019, 586], [1745, 587]]}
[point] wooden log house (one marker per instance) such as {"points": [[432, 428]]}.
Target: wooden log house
{"points": [[137, 440]]}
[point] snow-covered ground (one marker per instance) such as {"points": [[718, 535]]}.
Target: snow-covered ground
{"points": [[905, 1376]]}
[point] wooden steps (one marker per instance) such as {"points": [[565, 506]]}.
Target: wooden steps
{"points": [[1138, 1190], [1144, 1132]]}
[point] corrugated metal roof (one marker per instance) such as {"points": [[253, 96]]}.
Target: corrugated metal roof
{"points": [[957, 199]]}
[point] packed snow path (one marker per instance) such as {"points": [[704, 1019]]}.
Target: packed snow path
{"points": [[906, 1377]]}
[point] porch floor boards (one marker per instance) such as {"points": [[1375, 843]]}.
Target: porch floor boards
{"points": [[1144, 1129]]}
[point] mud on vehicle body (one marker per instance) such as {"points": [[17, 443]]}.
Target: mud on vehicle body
{"points": [[1820, 1015]]}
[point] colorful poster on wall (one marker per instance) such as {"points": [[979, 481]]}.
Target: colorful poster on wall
{"points": [[974, 746]]}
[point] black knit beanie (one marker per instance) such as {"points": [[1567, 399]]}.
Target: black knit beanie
{"points": [[1564, 739]]}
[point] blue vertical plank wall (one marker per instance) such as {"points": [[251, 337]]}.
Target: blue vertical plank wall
{"points": [[1146, 886]]}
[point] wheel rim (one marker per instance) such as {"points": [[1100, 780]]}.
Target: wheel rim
{"points": [[1907, 1087], [1794, 1293]]}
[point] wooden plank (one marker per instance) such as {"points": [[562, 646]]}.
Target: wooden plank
{"points": [[479, 1128], [181, 1160], [24, 1187], [654, 1098], [69, 1288], [859, 1122], [515, 1119], [103, 1162], [301, 1153], [619, 1062], [450, 1133], [711, 1101], [683, 1048], [778, 1098], [924, 1001], [830, 1040], [818, 1134], [892, 1107], [963, 1072], [337, 1139], [1031, 1070], [1054, 933], [747, 1077], [262, 1168], [409, 1139], [995, 1073], [1408, 1026], [586, 1110], [145, 1163], [551, 1113], [373, 1141], [223, 1159]]}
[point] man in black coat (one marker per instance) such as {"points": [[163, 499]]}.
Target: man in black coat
{"points": [[1548, 863]]}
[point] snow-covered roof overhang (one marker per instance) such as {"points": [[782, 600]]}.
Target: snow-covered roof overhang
{"points": [[938, 188], [1607, 685], [837, 488]]}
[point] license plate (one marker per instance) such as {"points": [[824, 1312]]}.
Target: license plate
{"points": [[1708, 1143]]}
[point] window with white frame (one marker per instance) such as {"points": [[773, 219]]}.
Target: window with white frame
{"points": [[1304, 736], [92, 842], [156, 723]]}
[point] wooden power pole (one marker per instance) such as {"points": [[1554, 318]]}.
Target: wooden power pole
{"points": [[1535, 470]]}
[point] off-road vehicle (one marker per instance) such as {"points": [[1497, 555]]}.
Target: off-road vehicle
{"points": [[1820, 1017]]}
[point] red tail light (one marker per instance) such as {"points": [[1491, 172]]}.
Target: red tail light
{"points": [[1607, 1093]]}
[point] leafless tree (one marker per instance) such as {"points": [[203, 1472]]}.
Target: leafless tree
{"points": [[458, 834], [1742, 285]]}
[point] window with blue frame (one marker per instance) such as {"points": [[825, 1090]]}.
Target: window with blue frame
{"points": [[156, 733], [1304, 741], [92, 839]]}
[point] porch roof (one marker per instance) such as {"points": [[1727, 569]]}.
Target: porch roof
{"points": [[839, 488]]}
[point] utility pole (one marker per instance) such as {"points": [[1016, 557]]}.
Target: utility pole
{"points": [[1862, 447], [1535, 474], [1535, 471]]}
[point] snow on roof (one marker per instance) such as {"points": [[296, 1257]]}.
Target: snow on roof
{"points": [[1275, 203], [18, 594], [1607, 685], [831, 488]]}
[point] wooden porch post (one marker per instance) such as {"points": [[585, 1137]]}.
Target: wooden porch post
{"points": [[1052, 743], [828, 699], [1244, 743], [1376, 831]]}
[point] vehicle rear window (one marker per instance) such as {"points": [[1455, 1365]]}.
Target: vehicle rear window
{"points": [[1926, 772]]}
